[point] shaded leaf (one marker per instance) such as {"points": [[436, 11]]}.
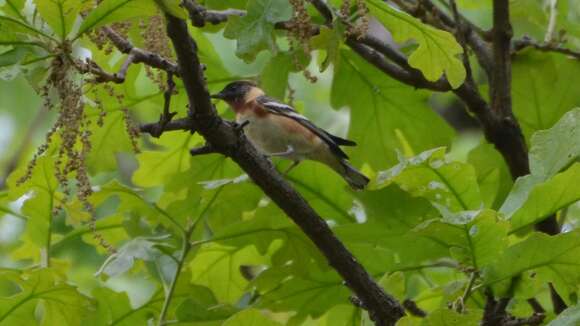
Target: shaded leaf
{"points": [[214, 263], [254, 31], [493, 176], [553, 258], [383, 112], [136, 249], [250, 317], [543, 89]]}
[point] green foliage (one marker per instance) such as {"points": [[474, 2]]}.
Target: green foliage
{"points": [[388, 116], [110, 11], [194, 241], [254, 31], [60, 15], [437, 52]]}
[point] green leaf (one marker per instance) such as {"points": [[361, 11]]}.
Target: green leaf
{"points": [[137, 249], [107, 141], [274, 76], [568, 317], [313, 294], [255, 31], [215, 263], [395, 208], [552, 150], [381, 250], [493, 176], [437, 51], [110, 11], [13, 8], [13, 31], [543, 89], [43, 197], [385, 115], [430, 175], [60, 15], [250, 317], [449, 317], [474, 242], [203, 307], [329, 40], [156, 167], [552, 258], [62, 304], [269, 225], [555, 148], [547, 198]]}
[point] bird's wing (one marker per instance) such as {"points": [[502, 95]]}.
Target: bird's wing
{"points": [[275, 107]]}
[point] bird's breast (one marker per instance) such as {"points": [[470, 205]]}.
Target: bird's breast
{"points": [[273, 133]]}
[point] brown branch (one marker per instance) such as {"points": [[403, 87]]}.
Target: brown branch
{"points": [[412, 307], [536, 306], [178, 124], [528, 42], [224, 137], [409, 77], [138, 55], [199, 15], [324, 10], [475, 36]]}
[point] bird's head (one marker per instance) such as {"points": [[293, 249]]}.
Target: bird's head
{"points": [[239, 91]]}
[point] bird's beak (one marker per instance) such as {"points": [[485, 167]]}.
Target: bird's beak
{"points": [[219, 96]]}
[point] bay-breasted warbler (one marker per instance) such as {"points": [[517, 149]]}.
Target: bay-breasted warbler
{"points": [[276, 129]]}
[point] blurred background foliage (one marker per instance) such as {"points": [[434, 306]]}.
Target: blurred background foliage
{"points": [[441, 221]]}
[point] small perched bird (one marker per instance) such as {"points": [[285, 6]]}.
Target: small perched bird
{"points": [[276, 129]]}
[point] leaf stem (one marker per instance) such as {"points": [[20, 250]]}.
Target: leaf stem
{"points": [[185, 248]]}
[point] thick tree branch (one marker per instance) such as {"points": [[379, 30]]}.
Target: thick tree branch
{"points": [[500, 86], [227, 140]]}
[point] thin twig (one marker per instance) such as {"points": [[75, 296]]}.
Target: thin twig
{"points": [[185, 248], [552, 22], [149, 58], [527, 42]]}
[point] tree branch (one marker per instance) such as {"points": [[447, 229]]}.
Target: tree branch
{"points": [[383, 308], [139, 55], [527, 42]]}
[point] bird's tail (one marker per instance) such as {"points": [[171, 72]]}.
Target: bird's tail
{"points": [[354, 177]]}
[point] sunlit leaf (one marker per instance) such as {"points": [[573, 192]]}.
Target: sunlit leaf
{"points": [[430, 175], [110, 11], [60, 15], [438, 50], [62, 303]]}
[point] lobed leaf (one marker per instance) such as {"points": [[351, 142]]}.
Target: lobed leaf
{"points": [[254, 31], [437, 51]]}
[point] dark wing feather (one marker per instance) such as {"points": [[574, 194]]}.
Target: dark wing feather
{"points": [[333, 142]]}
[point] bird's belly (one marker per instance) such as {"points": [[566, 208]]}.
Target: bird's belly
{"points": [[270, 137]]}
